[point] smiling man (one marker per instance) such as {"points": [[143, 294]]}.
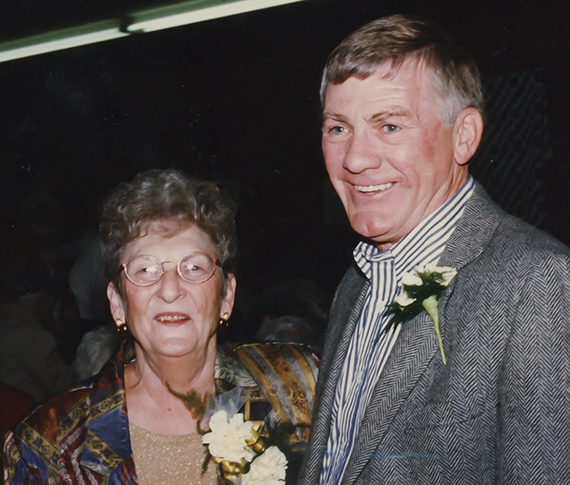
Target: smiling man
{"points": [[488, 402]]}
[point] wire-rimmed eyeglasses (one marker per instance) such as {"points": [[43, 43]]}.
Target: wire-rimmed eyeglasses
{"points": [[146, 270]]}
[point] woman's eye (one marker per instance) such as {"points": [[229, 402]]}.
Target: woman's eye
{"points": [[192, 268], [147, 271]]}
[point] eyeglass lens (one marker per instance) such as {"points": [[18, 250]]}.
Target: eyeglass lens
{"points": [[145, 270]]}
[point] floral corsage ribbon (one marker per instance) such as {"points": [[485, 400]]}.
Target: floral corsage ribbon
{"points": [[421, 290], [238, 445]]}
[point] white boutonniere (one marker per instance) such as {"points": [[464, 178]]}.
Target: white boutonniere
{"points": [[239, 445], [420, 290]]}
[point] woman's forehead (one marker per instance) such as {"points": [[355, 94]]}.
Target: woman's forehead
{"points": [[170, 236], [163, 227]]}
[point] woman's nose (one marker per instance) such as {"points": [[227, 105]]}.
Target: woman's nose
{"points": [[171, 285]]}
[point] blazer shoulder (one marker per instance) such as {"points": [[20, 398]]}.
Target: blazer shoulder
{"points": [[521, 238], [509, 230], [487, 234]]}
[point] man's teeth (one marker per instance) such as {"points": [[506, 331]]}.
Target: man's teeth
{"points": [[174, 318], [372, 188]]}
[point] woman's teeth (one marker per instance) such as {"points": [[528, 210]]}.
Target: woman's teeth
{"points": [[174, 318]]}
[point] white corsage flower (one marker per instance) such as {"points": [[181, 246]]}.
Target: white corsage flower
{"points": [[268, 469], [241, 447], [229, 439], [421, 290]]}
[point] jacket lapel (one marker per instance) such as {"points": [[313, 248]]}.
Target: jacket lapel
{"points": [[107, 443], [474, 231], [414, 349], [348, 305]]}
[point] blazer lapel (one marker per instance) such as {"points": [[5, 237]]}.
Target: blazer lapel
{"points": [[414, 349], [341, 327], [474, 231]]}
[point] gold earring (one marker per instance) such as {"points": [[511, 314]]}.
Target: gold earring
{"points": [[121, 327], [223, 323]]}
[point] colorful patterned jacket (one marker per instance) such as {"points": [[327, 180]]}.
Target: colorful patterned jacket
{"points": [[82, 436]]}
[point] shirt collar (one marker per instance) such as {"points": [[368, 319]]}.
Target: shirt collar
{"points": [[425, 243]]}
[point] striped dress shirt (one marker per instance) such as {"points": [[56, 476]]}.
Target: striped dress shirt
{"points": [[369, 348]]}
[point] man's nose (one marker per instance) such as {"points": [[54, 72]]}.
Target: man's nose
{"points": [[362, 153]]}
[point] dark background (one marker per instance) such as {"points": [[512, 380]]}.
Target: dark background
{"points": [[236, 100]]}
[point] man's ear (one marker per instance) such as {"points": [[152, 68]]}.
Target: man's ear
{"points": [[467, 131], [229, 298], [116, 302]]}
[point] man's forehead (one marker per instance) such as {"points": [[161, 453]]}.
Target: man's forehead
{"points": [[412, 65], [410, 69], [411, 75]]}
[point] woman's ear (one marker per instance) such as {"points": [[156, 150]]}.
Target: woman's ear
{"points": [[467, 131], [116, 302], [229, 297]]}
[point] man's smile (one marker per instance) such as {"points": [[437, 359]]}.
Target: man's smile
{"points": [[372, 188]]}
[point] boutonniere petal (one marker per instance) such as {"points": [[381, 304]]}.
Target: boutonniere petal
{"points": [[420, 290], [411, 279], [404, 300]]}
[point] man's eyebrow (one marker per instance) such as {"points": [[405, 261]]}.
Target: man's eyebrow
{"points": [[375, 118], [390, 113], [327, 115]]}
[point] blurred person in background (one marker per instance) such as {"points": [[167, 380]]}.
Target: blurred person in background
{"points": [[29, 356], [39, 234], [94, 350], [290, 329], [293, 310]]}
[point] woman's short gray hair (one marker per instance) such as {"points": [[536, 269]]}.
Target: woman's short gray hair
{"points": [[166, 197]]}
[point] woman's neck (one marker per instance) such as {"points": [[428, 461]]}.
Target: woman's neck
{"points": [[152, 406]]}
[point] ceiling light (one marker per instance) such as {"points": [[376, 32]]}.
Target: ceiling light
{"points": [[165, 17], [60, 40], [195, 11]]}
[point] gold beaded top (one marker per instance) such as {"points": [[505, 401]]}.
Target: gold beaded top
{"points": [[167, 460]]}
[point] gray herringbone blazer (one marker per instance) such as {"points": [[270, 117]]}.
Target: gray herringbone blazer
{"points": [[499, 411]]}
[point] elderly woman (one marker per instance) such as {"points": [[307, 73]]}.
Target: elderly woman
{"points": [[169, 246]]}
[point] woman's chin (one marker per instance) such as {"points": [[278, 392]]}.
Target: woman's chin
{"points": [[177, 347]]}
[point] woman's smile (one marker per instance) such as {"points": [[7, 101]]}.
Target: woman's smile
{"points": [[172, 318]]}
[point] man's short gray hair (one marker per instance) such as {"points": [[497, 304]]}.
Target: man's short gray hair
{"points": [[398, 38]]}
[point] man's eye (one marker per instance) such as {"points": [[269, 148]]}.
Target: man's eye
{"points": [[337, 130], [390, 128]]}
